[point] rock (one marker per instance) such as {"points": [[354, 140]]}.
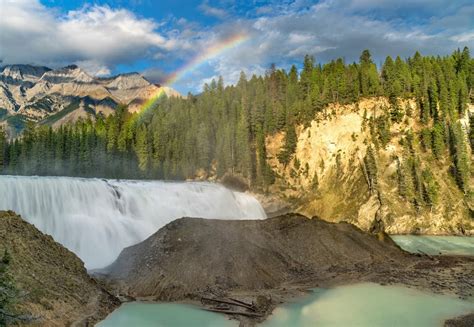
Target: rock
{"points": [[225, 255], [263, 303], [463, 321]]}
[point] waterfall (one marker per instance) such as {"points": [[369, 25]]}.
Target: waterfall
{"points": [[97, 218]]}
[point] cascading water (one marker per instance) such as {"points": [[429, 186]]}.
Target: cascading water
{"points": [[97, 218]]}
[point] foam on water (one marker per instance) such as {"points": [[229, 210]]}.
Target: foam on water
{"points": [[97, 218]]}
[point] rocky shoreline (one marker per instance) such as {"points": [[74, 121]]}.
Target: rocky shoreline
{"points": [[257, 266], [304, 253]]}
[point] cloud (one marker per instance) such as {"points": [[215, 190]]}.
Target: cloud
{"points": [[212, 11], [155, 75], [332, 29], [95, 36], [99, 38], [464, 37], [94, 67], [337, 28]]}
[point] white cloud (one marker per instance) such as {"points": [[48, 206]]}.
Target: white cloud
{"points": [[338, 28], [96, 36], [93, 67], [212, 11], [464, 37]]}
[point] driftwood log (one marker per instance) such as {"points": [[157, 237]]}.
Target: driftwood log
{"points": [[232, 312], [234, 302]]}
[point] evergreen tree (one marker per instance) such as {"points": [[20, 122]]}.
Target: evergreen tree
{"points": [[289, 146], [368, 75], [371, 169], [224, 128]]}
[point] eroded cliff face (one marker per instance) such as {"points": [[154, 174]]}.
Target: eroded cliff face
{"points": [[328, 175]]}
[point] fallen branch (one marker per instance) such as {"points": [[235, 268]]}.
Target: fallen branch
{"points": [[231, 312], [241, 302], [236, 303]]}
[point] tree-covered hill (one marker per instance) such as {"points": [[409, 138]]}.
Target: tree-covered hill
{"points": [[420, 107]]}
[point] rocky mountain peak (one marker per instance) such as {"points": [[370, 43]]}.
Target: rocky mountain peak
{"points": [[41, 94], [71, 73], [128, 81], [25, 73]]}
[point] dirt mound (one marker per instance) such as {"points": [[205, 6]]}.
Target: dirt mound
{"points": [[56, 286], [190, 256]]}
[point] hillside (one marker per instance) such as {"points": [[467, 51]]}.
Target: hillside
{"points": [[53, 284], [259, 254], [328, 173], [381, 148], [55, 97]]}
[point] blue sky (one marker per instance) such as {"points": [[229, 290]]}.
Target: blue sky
{"points": [[157, 37]]}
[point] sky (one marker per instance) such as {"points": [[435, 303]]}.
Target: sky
{"points": [[159, 38]]}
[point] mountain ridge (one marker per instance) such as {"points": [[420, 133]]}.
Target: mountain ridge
{"points": [[36, 93]]}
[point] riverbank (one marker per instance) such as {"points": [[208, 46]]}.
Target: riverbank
{"points": [[269, 262], [244, 269]]}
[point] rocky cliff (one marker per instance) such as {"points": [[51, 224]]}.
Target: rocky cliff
{"points": [[62, 95], [329, 173], [53, 284]]}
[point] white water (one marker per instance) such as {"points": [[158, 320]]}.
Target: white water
{"points": [[97, 218]]}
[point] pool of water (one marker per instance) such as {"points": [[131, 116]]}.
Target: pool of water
{"points": [[360, 305], [457, 245], [164, 315], [366, 305]]}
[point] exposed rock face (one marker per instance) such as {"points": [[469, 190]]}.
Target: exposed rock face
{"points": [[41, 94], [25, 73], [191, 256], [327, 179], [58, 288]]}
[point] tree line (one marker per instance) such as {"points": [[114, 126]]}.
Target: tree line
{"points": [[223, 129]]}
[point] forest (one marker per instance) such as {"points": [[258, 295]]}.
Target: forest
{"points": [[223, 129]]}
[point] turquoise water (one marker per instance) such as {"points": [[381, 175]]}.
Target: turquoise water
{"points": [[459, 245], [367, 305], [139, 314], [360, 305]]}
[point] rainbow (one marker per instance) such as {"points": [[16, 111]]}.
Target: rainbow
{"points": [[211, 52], [224, 45]]}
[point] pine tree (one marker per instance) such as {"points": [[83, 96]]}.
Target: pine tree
{"points": [[461, 162], [430, 188], [438, 137], [471, 131], [371, 169], [368, 75], [289, 145]]}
